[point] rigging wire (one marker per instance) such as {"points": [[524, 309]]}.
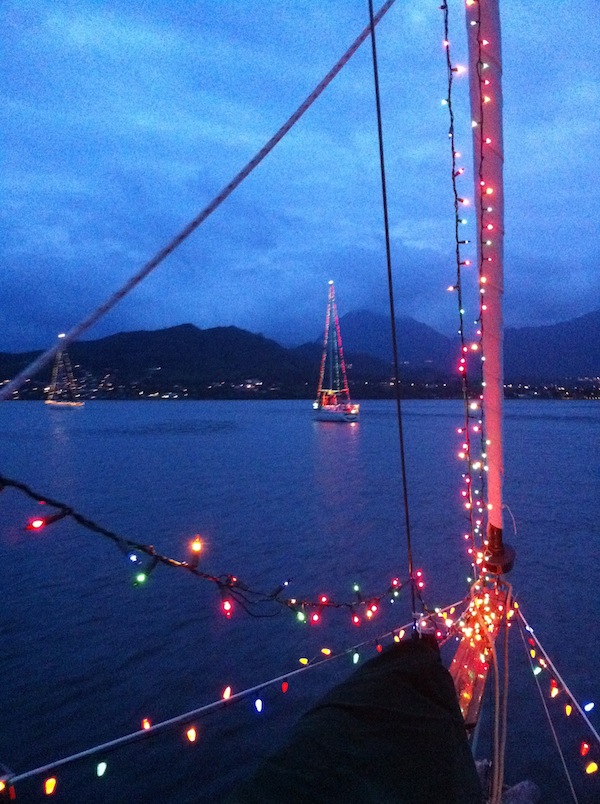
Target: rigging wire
{"points": [[558, 676], [186, 717], [392, 311], [521, 621], [7, 390]]}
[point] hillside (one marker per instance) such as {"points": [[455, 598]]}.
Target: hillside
{"points": [[226, 361]]}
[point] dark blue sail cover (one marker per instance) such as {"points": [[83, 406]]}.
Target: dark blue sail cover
{"points": [[392, 732]]}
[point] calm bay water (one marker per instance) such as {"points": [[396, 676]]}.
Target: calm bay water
{"points": [[85, 655]]}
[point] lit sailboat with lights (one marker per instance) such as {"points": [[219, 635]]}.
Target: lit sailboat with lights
{"points": [[62, 391], [333, 402]]}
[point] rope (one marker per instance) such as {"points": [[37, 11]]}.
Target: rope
{"points": [[392, 310], [46, 357], [521, 620]]}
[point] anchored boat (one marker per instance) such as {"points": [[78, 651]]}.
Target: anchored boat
{"points": [[333, 402], [62, 392]]}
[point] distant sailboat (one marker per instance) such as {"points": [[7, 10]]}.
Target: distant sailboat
{"points": [[62, 391], [333, 400]]}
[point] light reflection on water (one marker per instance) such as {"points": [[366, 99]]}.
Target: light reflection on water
{"points": [[274, 495]]}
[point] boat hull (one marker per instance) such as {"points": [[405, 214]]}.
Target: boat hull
{"points": [[63, 404], [336, 413]]}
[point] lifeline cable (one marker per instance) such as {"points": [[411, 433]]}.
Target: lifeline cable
{"points": [[202, 710], [386, 225], [74, 333], [521, 620]]}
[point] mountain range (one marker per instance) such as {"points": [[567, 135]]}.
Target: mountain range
{"points": [[187, 357]]}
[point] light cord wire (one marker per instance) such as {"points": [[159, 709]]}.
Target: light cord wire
{"points": [[474, 496], [226, 583], [392, 311], [73, 334]]}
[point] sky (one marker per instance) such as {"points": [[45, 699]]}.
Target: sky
{"points": [[122, 119]]}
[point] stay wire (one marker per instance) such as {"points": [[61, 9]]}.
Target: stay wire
{"points": [[548, 717], [12, 778], [392, 310], [73, 334]]}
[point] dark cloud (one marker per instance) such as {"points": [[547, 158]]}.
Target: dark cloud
{"points": [[122, 120]]}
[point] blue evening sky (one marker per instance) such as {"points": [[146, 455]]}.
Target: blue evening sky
{"points": [[123, 118]]}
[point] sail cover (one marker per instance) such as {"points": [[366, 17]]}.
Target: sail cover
{"points": [[392, 732]]}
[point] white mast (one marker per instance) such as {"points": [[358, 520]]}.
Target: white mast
{"points": [[485, 76]]}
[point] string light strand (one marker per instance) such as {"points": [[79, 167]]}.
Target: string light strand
{"points": [[232, 589]]}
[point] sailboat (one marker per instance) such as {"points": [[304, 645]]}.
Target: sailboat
{"points": [[62, 392], [333, 402], [401, 704]]}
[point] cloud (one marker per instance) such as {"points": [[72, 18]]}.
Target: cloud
{"points": [[122, 121]]}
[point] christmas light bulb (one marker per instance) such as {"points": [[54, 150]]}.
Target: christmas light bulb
{"points": [[38, 522], [50, 786], [101, 768], [258, 705], [285, 686], [146, 723], [192, 734], [226, 695]]}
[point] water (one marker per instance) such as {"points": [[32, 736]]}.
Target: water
{"points": [[85, 655]]}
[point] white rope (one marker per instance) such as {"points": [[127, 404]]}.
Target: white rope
{"points": [[73, 334]]}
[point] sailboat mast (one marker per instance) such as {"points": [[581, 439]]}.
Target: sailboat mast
{"points": [[325, 342], [485, 83]]}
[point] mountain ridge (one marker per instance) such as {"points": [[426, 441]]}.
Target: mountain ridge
{"points": [[186, 356]]}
